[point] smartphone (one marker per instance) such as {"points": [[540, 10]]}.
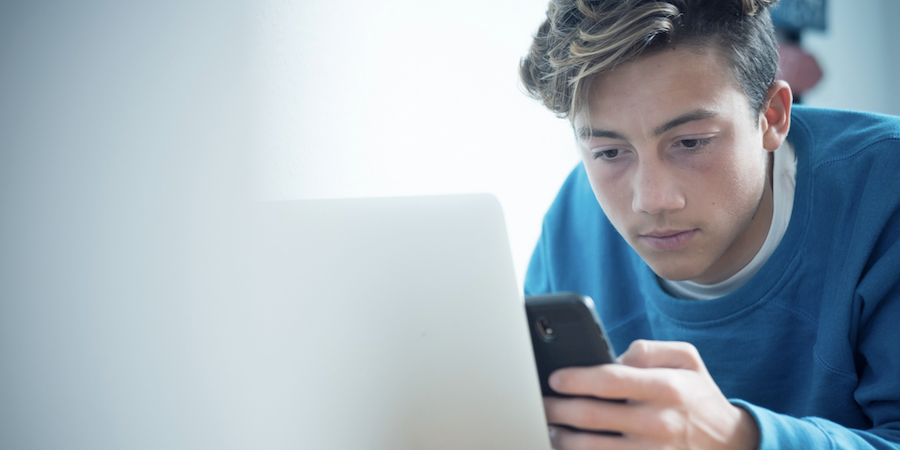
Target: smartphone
{"points": [[565, 332]]}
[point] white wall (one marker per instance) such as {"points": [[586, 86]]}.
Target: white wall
{"points": [[860, 57], [402, 97], [122, 126]]}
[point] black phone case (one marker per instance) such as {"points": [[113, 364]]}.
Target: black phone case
{"points": [[576, 338]]}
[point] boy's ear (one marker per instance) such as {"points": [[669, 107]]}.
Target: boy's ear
{"points": [[776, 120]]}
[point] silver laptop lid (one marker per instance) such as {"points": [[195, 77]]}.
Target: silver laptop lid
{"points": [[344, 324], [415, 335]]}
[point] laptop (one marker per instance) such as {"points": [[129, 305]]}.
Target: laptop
{"points": [[389, 323]]}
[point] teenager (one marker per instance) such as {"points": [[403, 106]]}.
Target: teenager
{"points": [[743, 252]]}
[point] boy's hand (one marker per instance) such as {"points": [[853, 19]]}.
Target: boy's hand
{"points": [[672, 403]]}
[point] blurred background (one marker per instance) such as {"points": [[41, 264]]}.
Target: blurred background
{"points": [[353, 98], [121, 124]]}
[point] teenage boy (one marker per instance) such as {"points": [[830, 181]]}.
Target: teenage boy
{"points": [[743, 253]]}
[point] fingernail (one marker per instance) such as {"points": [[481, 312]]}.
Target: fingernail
{"points": [[553, 381]]}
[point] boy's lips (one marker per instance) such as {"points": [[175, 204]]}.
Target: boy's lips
{"points": [[668, 239]]}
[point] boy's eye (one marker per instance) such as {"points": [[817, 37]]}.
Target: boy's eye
{"points": [[690, 143], [693, 144], [606, 154]]}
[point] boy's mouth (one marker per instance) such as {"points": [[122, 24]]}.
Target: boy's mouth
{"points": [[668, 239]]}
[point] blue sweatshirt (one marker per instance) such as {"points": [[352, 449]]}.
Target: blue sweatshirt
{"points": [[811, 344]]}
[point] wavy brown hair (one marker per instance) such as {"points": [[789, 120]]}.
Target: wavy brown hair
{"points": [[583, 38]]}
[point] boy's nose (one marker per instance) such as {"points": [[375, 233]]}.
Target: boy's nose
{"points": [[655, 189]]}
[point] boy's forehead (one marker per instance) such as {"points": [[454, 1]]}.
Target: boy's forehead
{"points": [[662, 85]]}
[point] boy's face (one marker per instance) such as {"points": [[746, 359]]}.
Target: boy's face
{"points": [[676, 160]]}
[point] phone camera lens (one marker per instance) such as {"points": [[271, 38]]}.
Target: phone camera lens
{"points": [[545, 329]]}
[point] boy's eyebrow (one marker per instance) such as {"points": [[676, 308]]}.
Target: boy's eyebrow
{"points": [[588, 132], [691, 116], [697, 114]]}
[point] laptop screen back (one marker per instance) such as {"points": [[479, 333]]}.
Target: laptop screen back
{"points": [[339, 324]]}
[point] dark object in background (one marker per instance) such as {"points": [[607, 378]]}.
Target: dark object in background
{"points": [[797, 15], [799, 68]]}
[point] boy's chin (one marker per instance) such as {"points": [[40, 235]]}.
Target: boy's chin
{"points": [[675, 271]]}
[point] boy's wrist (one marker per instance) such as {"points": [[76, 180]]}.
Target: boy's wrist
{"points": [[747, 433]]}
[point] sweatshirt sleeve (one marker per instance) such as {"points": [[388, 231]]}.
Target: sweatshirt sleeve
{"points": [[779, 431], [878, 366]]}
